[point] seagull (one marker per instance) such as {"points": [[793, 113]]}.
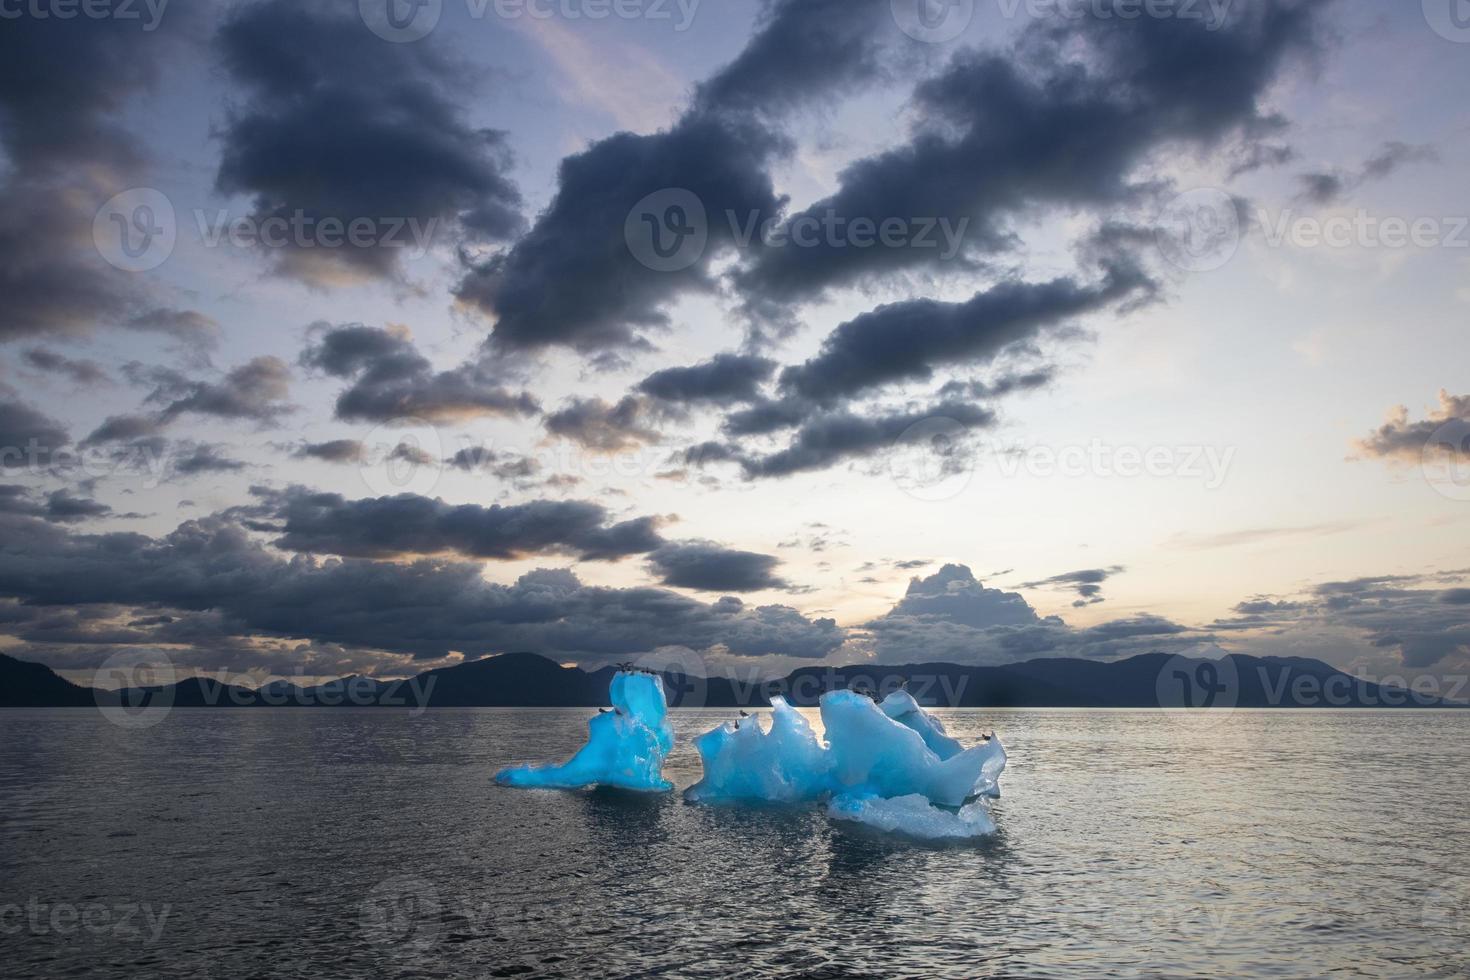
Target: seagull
{"points": [[744, 714]]}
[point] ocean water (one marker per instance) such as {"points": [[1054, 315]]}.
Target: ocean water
{"points": [[372, 843]]}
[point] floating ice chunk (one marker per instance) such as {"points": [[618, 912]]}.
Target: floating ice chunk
{"points": [[626, 747], [913, 815], [742, 761], [870, 751]]}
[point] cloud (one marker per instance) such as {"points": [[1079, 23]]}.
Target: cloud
{"points": [[726, 379], [27, 437], [907, 341], [1445, 430], [573, 280], [334, 451], [952, 617], [596, 424], [196, 459], [1064, 118], [58, 507], [338, 125], [124, 428], [825, 438], [1087, 583], [220, 584], [1324, 188], [79, 371], [390, 380], [711, 567], [66, 86], [406, 525]]}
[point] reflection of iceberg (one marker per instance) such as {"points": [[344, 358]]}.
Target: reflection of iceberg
{"points": [[892, 766], [625, 748]]}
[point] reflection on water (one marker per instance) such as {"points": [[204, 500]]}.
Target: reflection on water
{"points": [[371, 843]]}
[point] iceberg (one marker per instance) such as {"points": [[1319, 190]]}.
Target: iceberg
{"points": [[625, 749], [889, 765]]}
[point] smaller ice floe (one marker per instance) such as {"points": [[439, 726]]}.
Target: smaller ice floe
{"points": [[914, 816], [625, 749]]}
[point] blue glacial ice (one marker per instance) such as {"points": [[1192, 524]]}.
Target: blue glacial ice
{"points": [[891, 765], [626, 746]]}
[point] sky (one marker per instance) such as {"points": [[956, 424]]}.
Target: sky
{"points": [[341, 337]]}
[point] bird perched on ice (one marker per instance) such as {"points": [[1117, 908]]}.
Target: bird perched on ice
{"points": [[745, 714]]}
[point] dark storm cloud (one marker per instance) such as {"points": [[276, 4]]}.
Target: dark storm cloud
{"points": [[65, 88], [724, 380], [389, 527], [27, 437], [573, 280], [1087, 583], [339, 125], [596, 424], [58, 507], [82, 372], [711, 567], [425, 609], [1445, 430], [1063, 119], [390, 379], [907, 341], [334, 451], [825, 438]]}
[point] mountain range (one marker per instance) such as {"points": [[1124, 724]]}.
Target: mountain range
{"points": [[1154, 680]]}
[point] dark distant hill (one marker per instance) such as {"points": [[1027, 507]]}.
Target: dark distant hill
{"points": [[1154, 680]]}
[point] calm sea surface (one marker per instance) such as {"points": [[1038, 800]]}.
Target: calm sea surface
{"points": [[370, 843]]}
